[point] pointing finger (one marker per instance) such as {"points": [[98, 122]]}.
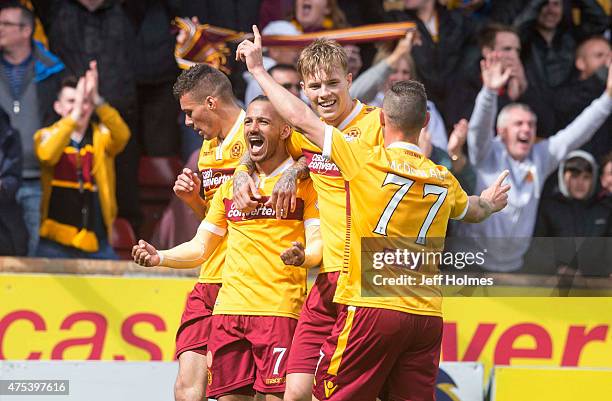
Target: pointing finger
{"points": [[257, 39]]}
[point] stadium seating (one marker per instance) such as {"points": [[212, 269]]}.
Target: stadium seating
{"points": [[156, 177], [123, 238]]}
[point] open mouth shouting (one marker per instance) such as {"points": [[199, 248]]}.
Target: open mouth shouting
{"points": [[256, 144]]}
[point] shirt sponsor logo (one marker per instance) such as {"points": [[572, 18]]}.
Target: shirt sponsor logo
{"points": [[320, 165], [213, 178], [261, 211]]}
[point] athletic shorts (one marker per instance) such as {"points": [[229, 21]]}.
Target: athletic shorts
{"points": [[316, 321], [381, 353], [192, 334], [248, 351]]}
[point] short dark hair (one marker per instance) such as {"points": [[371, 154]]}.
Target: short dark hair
{"points": [[260, 98], [578, 164], [488, 34], [69, 81], [282, 67], [405, 105], [203, 80], [607, 158], [27, 16]]}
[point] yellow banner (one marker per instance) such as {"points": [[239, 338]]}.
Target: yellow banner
{"points": [[117, 318], [551, 384]]}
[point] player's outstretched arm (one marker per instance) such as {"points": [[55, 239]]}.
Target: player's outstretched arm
{"points": [[491, 200], [184, 256], [290, 107], [308, 257]]}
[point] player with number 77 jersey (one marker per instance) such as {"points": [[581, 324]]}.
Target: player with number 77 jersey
{"points": [[383, 346]]}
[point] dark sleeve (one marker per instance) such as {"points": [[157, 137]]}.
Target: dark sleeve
{"points": [[11, 164], [542, 228], [528, 14], [45, 11], [593, 19], [504, 11]]}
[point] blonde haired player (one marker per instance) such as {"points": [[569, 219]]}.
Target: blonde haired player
{"points": [[257, 307], [326, 81], [389, 343]]}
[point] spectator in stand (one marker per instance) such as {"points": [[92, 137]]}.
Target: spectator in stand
{"points": [[591, 59], [452, 157], [273, 56], [573, 211], [606, 178], [529, 163], [13, 232], [80, 31], [155, 69], [353, 54], [446, 44], [30, 77], [288, 76], [549, 42], [371, 85], [318, 15], [284, 74], [503, 41], [77, 155]]}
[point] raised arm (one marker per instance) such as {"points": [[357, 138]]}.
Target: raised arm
{"points": [[109, 116], [491, 200], [482, 122], [291, 108], [582, 129], [368, 83], [184, 256]]}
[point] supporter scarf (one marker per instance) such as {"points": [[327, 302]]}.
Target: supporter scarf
{"points": [[209, 44], [70, 219]]}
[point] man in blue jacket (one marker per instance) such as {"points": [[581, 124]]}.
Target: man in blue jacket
{"points": [[29, 79]]}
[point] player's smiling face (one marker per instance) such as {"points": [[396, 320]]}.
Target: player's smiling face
{"points": [[328, 92], [200, 116], [519, 133], [264, 130]]}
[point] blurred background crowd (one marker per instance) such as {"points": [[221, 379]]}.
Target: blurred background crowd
{"points": [[98, 75]]}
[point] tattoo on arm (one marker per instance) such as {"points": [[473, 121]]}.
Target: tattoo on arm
{"points": [[300, 168], [246, 161]]}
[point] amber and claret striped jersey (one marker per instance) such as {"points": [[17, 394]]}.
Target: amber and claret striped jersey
{"points": [[362, 123], [217, 163], [255, 279], [394, 192]]}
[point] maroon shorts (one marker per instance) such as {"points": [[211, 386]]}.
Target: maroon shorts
{"points": [[316, 321], [248, 351], [192, 334], [381, 353]]}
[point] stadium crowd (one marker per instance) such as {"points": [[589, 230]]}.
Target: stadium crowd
{"points": [[519, 85]]}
